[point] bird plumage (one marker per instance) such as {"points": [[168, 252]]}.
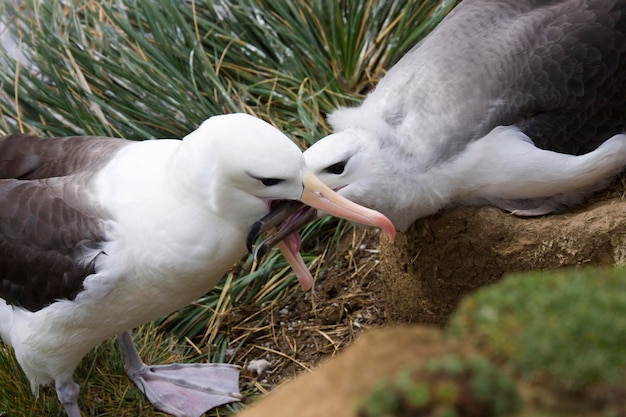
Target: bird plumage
{"points": [[99, 235], [89, 223], [35, 176], [553, 70]]}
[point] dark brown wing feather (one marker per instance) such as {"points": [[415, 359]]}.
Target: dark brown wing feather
{"points": [[570, 96], [25, 156], [50, 233]]}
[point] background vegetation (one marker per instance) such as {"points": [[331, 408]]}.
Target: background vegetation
{"points": [[564, 328]]}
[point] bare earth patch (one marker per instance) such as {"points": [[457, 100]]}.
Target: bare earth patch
{"points": [[442, 258]]}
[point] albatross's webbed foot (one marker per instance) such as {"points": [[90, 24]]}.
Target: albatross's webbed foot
{"points": [[67, 391], [529, 208], [187, 390], [183, 390]]}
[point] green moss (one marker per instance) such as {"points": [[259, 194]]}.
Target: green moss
{"points": [[418, 396], [450, 386], [569, 326]]}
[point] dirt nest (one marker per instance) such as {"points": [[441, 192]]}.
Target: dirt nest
{"points": [[441, 258]]}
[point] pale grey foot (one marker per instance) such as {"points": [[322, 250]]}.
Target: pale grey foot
{"points": [[67, 392], [531, 208], [532, 212], [183, 390]]}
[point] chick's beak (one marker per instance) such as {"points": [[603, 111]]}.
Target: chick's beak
{"points": [[318, 195]]}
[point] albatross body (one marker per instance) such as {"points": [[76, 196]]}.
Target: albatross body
{"points": [[519, 104], [99, 235]]}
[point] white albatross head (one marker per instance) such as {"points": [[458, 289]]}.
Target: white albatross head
{"points": [[238, 164], [366, 166], [347, 162], [242, 167]]}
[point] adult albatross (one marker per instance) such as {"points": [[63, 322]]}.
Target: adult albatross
{"points": [[99, 235], [520, 104]]}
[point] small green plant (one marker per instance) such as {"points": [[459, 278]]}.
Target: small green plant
{"points": [[451, 386], [567, 327]]}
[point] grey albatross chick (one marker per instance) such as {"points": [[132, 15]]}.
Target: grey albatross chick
{"points": [[99, 235], [520, 104]]}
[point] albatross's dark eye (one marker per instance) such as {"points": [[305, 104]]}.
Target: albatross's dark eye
{"points": [[268, 182], [337, 168]]}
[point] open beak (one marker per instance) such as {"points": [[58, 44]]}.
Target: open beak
{"points": [[288, 216]]}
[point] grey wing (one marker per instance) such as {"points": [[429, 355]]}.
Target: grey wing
{"points": [[50, 234], [556, 69], [31, 157], [571, 95], [48, 244], [49, 240]]}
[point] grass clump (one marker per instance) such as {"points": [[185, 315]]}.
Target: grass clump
{"points": [[567, 328], [142, 68], [451, 386]]}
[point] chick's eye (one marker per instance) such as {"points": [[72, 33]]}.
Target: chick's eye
{"points": [[268, 182], [337, 168]]}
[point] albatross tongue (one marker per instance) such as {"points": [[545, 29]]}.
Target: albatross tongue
{"points": [[290, 248]]}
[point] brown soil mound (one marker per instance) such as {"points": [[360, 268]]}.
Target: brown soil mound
{"points": [[441, 258]]}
